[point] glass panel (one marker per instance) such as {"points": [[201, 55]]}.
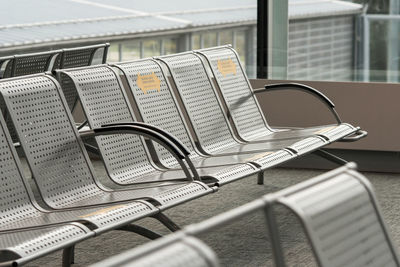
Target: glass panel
{"points": [[196, 41], [346, 46], [170, 46], [225, 37], [209, 39], [151, 48], [113, 53], [130, 50]]}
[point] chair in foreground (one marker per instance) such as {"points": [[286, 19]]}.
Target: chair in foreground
{"points": [[338, 212], [171, 251]]}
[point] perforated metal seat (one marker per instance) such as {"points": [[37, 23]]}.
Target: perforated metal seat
{"points": [[56, 156], [342, 220], [243, 106], [20, 247], [104, 102], [174, 251], [205, 112], [338, 212]]}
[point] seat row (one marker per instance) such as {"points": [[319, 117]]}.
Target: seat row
{"points": [[167, 147], [24, 64], [338, 212]]}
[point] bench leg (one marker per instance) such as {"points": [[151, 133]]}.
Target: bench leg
{"points": [[167, 222], [260, 177], [140, 231], [330, 157], [68, 256]]}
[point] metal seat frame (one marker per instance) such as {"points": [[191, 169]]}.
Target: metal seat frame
{"points": [[339, 214]]}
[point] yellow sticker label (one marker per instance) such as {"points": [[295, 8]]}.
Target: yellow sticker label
{"points": [[102, 211], [226, 67], [148, 82], [324, 130], [258, 156]]}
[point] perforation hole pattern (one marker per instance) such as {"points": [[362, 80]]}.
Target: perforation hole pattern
{"points": [[15, 204], [178, 194], [32, 64], [274, 159], [30, 242], [234, 173], [338, 132], [344, 223], [238, 95], [47, 136], [125, 212], [158, 108], [307, 145], [78, 58], [200, 101], [104, 103]]}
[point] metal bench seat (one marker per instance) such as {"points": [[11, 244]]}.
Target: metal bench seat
{"points": [[245, 111], [18, 248], [104, 102], [206, 114], [337, 210], [57, 158], [171, 251], [159, 107]]}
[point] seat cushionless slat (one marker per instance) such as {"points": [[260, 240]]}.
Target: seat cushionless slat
{"points": [[342, 222], [105, 102], [243, 105], [54, 151]]}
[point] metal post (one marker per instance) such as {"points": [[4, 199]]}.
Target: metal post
{"points": [[366, 48]]}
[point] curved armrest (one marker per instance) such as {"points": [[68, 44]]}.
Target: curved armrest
{"points": [[166, 134], [152, 135], [304, 88]]}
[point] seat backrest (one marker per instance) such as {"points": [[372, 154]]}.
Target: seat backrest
{"points": [[200, 101], [156, 104], [236, 91], [15, 197], [52, 146], [33, 63], [343, 221], [181, 252], [83, 56], [104, 102]]}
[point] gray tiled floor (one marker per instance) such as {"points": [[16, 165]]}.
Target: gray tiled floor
{"points": [[243, 243]]}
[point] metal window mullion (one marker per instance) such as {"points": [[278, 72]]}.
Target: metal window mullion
{"points": [[234, 39], [141, 47]]}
